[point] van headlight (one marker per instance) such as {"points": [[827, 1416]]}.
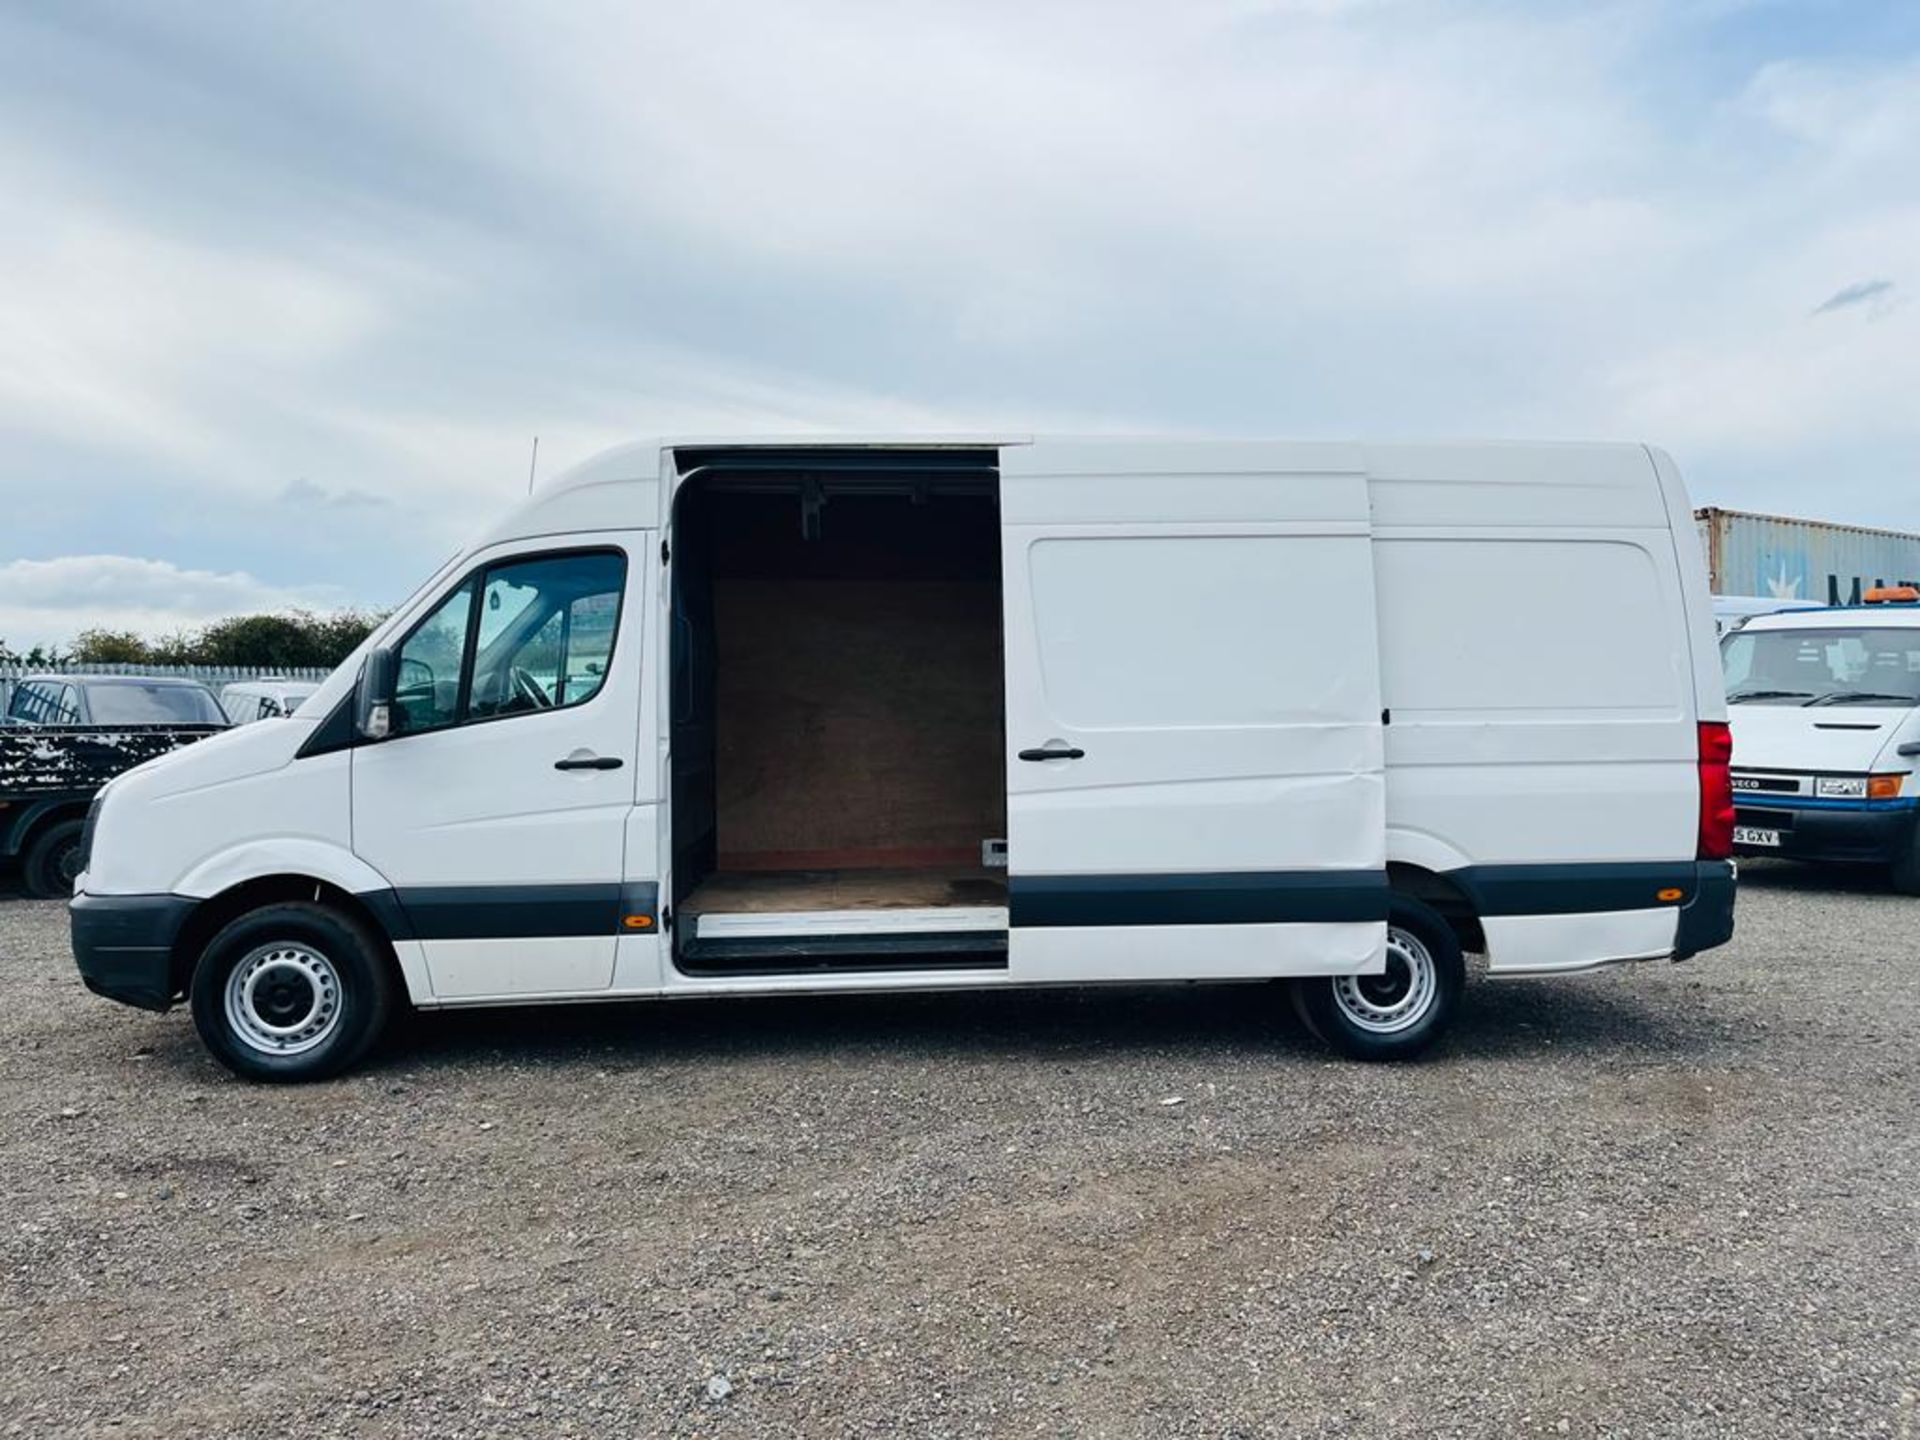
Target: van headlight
{"points": [[1841, 787]]}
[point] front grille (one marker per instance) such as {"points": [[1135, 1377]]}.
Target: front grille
{"points": [[1778, 784]]}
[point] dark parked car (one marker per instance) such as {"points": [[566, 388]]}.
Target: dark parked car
{"points": [[63, 737]]}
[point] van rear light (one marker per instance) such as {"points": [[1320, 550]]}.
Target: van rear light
{"points": [[1716, 791]]}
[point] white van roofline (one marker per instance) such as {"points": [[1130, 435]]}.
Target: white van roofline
{"points": [[1827, 616], [621, 488]]}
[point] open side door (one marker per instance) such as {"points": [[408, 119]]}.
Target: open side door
{"points": [[1195, 781]]}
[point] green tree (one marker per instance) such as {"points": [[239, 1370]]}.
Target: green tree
{"points": [[109, 647], [295, 640], [280, 642]]}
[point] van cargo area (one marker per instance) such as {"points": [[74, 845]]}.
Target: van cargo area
{"points": [[838, 706]]}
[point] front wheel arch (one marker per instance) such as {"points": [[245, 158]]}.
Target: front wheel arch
{"points": [[216, 912]]}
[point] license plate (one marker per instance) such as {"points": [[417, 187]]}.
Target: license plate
{"points": [[1754, 835]]}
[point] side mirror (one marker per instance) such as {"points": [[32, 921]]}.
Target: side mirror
{"points": [[373, 696]]}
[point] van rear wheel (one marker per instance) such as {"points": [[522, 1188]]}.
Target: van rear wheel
{"points": [[291, 992], [1397, 1014]]}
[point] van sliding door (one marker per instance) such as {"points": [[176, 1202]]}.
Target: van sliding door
{"points": [[1195, 785]]}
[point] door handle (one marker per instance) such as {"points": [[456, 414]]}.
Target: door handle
{"points": [[1053, 752], [581, 760]]}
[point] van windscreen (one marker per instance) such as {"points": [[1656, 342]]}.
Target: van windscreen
{"points": [[1844, 665]]}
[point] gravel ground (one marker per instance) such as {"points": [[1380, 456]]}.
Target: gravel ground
{"points": [[1659, 1200]]}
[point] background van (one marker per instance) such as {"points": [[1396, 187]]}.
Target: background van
{"points": [[1826, 714], [749, 717], [245, 701]]}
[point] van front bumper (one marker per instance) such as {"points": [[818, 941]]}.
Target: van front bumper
{"points": [[1871, 833], [123, 945]]}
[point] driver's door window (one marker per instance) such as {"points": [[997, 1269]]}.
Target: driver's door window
{"points": [[545, 633], [521, 637]]}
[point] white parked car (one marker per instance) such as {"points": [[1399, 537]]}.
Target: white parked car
{"points": [[249, 700], [1826, 725], [747, 717]]}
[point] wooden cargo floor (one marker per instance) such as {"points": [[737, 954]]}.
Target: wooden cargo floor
{"points": [[786, 891]]}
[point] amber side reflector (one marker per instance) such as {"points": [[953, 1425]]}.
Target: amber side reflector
{"points": [[637, 922], [1883, 787], [1672, 892]]}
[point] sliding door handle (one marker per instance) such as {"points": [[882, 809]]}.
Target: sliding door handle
{"points": [[586, 760], [1053, 752]]}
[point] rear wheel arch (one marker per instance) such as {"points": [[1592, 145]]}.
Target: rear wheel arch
{"points": [[1443, 896], [1398, 1013]]}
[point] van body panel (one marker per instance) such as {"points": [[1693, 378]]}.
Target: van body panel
{"points": [[1703, 629], [1199, 733], [1850, 740], [1603, 486], [1557, 944], [1140, 953]]}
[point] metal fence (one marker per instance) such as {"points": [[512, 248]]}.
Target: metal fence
{"points": [[212, 676]]}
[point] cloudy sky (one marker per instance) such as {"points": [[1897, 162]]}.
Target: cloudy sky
{"points": [[286, 290]]}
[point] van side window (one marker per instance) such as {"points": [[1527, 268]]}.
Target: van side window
{"points": [[519, 637], [427, 676], [545, 634]]}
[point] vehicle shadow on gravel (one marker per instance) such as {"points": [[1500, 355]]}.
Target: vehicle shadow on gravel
{"points": [[1500, 1020]]}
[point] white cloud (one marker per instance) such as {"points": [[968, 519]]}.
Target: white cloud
{"points": [[282, 268], [50, 601]]}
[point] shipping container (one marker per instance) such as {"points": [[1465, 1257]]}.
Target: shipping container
{"points": [[1788, 559]]}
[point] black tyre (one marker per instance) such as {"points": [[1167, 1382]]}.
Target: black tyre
{"points": [[294, 991], [1396, 1015], [53, 861]]}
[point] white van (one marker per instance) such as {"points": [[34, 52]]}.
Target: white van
{"points": [[1730, 612], [246, 701], [740, 717], [1826, 721]]}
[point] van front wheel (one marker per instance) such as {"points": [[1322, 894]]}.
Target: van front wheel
{"points": [[1397, 1014], [291, 992]]}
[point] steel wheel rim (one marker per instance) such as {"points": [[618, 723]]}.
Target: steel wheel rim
{"points": [[1397, 1000], [283, 999], [67, 864]]}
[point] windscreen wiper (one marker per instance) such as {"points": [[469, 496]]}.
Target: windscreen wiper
{"points": [[1849, 697], [1737, 696]]}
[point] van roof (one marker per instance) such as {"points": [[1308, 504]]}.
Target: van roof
{"points": [[640, 459], [1607, 482]]}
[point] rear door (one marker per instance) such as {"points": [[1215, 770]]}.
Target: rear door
{"points": [[1194, 769]]}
